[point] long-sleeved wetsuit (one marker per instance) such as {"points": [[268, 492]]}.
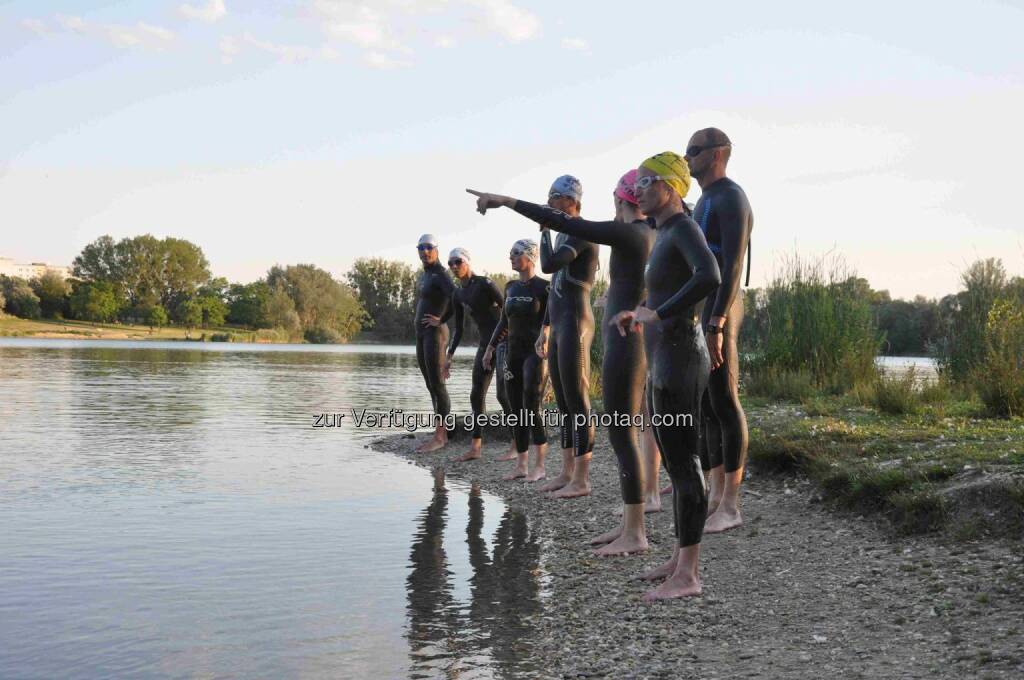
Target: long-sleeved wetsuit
{"points": [[521, 319], [573, 261], [624, 368], [483, 300], [434, 290], [724, 215], [680, 273]]}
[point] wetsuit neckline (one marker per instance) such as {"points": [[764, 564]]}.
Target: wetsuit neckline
{"points": [[670, 221]]}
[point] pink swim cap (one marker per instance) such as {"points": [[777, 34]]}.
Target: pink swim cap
{"points": [[624, 190]]}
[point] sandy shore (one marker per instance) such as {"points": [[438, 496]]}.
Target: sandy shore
{"points": [[798, 592]]}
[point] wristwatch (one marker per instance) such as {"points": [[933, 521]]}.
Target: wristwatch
{"points": [[715, 329]]}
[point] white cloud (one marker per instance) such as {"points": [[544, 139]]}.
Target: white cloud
{"points": [[119, 35], [36, 26], [212, 11], [389, 25], [514, 23], [232, 46], [575, 44], [356, 23]]}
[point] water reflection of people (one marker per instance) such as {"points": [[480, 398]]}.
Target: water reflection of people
{"points": [[444, 636]]}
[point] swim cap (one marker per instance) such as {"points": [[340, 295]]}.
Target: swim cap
{"points": [[428, 239], [529, 248], [461, 253], [624, 190], [567, 185], [672, 166]]}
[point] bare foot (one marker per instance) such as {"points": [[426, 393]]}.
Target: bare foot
{"points": [[472, 454], [536, 474], [571, 490], [432, 445], [666, 490], [556, 483], [607, 537], [662, 571], [511, 455], [518, 473], [723, 520], [676, 586], [713, 506], [623, 545], [652, 503]]}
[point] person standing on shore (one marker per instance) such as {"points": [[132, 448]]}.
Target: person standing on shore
{"points": [[566, 337], [526, 300], [624, 369], [681, 272], [724, 215], [481, 297], [434, 290]]}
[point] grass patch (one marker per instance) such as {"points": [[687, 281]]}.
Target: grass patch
{"points": [[905, 468], [778, 383]]}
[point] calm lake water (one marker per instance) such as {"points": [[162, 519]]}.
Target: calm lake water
{"points": [[169, 510]]}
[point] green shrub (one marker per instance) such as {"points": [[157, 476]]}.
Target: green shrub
{"points": [[819, 323], [896, 394], [221, 337], [999, 379]]}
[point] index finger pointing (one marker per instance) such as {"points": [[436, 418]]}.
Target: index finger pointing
{"points": [[475, 193]]}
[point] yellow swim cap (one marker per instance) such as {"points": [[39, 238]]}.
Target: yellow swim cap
{"points": [[673, 170]]}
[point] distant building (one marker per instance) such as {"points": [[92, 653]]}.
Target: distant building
{"points": [[30, 270]]}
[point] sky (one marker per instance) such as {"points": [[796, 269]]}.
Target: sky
{"points": [[320, 131]]}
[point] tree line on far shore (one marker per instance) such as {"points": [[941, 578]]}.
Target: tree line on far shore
{"points": [[815, 326]]}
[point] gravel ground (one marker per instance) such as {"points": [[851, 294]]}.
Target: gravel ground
{"points": [[797, 592]]}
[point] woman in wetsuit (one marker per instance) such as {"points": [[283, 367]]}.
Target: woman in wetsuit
{"points": [[526, 300], [680, 273], [625, 367], [481, 297], [434, 290]]}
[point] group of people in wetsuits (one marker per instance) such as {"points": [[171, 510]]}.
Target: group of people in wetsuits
{"points": [[672, 317]]}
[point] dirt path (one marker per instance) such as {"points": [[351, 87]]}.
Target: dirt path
{"points": [[798, 592]]}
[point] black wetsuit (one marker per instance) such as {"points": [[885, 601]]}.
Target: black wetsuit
{"points": [[573, 261], [520, 323], [680, 273], [624, 368], [483, 300], [724, 215], [434, 290]]}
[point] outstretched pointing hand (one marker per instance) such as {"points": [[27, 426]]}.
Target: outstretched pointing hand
{"points": [[485, 201]]}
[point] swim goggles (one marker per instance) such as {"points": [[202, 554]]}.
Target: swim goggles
{"points": [[647, 180], [455, 262], [696, 150], [422, 247]]}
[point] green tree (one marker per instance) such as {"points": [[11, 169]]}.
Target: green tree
{"points": [[52, 291], [20, 299], [157, 317], [98, 301], [247, 304], [387, 291], [147, 270], [322, 304], [280, 311], [189, 313], [211, 297], [963, 346]]}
